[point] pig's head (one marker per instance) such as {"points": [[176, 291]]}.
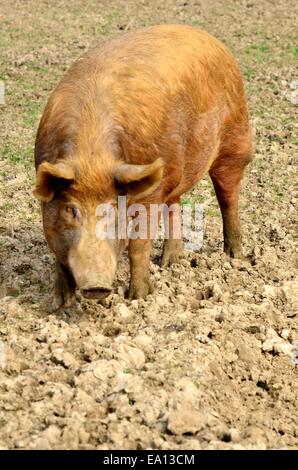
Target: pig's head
{"points": [[75, 229]]}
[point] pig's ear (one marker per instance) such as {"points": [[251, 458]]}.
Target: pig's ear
{"points": [[51, 178], [139, 181]]}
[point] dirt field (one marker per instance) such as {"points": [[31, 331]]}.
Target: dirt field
{"points": [[209, 361]]}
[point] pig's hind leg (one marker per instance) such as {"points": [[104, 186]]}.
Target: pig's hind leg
{"points": [[226, 173], [173, 245]]}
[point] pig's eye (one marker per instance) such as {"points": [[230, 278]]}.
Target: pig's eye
{"points": [[73, 211]]}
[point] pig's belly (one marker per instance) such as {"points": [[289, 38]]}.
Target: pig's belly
{"points": [[198, 159]]}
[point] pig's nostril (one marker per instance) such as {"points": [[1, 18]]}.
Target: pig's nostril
{"points": [[96, 293]]}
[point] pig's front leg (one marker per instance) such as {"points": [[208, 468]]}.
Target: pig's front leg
{"points": [[65, 287], [139, 256]]}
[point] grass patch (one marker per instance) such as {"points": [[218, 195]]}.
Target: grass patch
{"points": [[38, 68], [199, 199], [256, 49], [3, 43], [31, 114], [109, 21], [185, 201], [12, 30], [11, 154], [192, 201], [8, 206], [249, 73], [294, 140], [212, 212], [278, 191], [15, 155]]}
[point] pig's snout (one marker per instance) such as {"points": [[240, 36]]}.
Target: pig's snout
{"points": [[93, 265], [95, 286], [96, 292]]}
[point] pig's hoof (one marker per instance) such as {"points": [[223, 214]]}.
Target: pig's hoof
{"points": [[139, 290], [69, 303], [172, 252], [233, 252], [60, 302], [54, 307]]}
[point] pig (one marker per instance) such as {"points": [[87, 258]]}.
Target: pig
{"points": [[146, 115]]}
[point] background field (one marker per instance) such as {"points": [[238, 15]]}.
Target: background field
{"points": [[208, 360]]}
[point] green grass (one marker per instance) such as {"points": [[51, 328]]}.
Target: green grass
{"points": [[15, 155], [212, 190], [212, 212], [249, 72], [256, 50], [37, 67], [199, 199], [3, 42], [110, 20], [184, 201], [193, 199], [31, 110], [12, 30], [11, 154], [278, 191], [7, 206]]}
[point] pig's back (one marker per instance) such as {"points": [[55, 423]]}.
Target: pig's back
{"points": [[167, 59], [144, 88], [159, 63], [166, 72]]}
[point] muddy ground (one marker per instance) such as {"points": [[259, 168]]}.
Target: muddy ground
{"points": [[209, 361]]}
